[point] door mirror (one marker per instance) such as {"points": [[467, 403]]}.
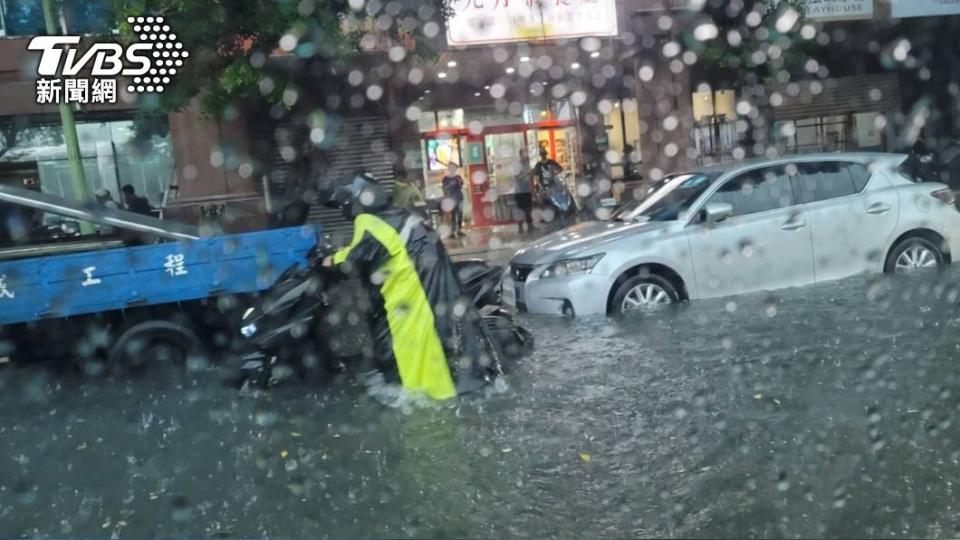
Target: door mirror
{"points": [[716, 212]]}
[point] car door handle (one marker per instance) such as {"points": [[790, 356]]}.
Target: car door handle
{"points": [[878, 208], [793, 225]]}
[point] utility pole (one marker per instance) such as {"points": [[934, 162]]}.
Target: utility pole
{"points": [[70, 132]]}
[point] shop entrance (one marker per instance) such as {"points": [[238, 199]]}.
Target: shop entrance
{"points": [[491, 161]]}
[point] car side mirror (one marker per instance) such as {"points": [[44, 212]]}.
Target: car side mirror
{"points": [[716, 212]]}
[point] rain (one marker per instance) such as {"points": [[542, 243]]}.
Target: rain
{"points": [[479, 268]]}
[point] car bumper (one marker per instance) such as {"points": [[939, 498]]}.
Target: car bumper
{"points": [[582, 294]]}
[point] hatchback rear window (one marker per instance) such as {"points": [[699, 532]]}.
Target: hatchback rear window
{"points": [[826, 180]]}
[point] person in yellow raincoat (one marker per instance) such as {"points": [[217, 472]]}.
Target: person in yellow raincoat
{"points": [[426, 335]]}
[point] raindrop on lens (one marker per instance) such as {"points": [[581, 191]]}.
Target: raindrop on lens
{"points": [[181, 510], [783, 484]]}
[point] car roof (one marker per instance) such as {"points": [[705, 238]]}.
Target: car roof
{"points": [[866, 158]]}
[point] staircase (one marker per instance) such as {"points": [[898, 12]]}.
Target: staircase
{"points": [[359, 143]]}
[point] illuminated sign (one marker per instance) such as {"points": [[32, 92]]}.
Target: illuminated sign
{"points": [[443, 152], [477, 22], [924, 8]]}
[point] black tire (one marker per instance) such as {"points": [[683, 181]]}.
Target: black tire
{"points": [[154, 343], [917, 243], [632, 283]]}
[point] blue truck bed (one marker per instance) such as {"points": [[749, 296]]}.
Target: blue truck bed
{"points": [[106, 280]]}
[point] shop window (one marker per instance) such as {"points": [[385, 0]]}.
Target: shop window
{"points": [[819, 134], [715, 122], [439, 153], [536, 113], [111, 155], [427, 122], [562, 110], [504, 160], [622, 125], [452, 119], [868, 133]]}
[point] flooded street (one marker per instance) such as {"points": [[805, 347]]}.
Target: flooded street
{"points": [[826, 411]]}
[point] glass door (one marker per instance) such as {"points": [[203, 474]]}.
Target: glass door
{"points": [[504, 160]]}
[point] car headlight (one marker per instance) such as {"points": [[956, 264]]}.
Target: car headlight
{"points": [[568, 267], [249, 330]]}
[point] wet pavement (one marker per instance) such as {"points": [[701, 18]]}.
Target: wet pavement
{"points": [[824, 411]]}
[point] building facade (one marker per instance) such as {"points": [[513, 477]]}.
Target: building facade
{"points": [[172, 161], [609, 82]]}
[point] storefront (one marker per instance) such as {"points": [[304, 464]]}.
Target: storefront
{"points": [[715, 122], [846, 113], [491, 149], [111, 153]]}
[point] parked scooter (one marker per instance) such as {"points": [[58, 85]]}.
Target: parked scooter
{"points": [[555, 195], [283, 335]]}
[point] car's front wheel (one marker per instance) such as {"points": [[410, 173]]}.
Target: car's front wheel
{"points": [[644, 292], [916, 253]]}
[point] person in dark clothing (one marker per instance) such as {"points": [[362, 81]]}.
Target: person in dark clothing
{"points": [[921, 163], [428, 338], [920, 145], [545, 173], [523, 194], [453, 191], [546, 170], [135, 203], [629, 165]]}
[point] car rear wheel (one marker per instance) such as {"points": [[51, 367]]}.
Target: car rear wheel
{"points": [[641, 293], [915, 254]]}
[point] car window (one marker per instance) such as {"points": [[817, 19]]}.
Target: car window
{"points": [[757, 191], [822, 181], [672, 196], [861, 176]]}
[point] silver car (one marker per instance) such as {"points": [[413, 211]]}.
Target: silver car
{"points": [[742, 227]]}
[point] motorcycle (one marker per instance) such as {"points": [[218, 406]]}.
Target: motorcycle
{"points": [[554, 194], [283, 335]]}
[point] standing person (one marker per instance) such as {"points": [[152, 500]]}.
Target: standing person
{"points": [[523, 193], [629, 165], [427, 340], [547, 169], [545, 173], [134, 203], [920, 147], [406, 195], [453, 190]]}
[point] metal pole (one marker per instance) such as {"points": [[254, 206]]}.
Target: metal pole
{"points": [[70, 133]]}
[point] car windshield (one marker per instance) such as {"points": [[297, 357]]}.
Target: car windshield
{"points": [[669, 199]]}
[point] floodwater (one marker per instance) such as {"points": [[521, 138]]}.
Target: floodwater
{"points": [[823, 411]]}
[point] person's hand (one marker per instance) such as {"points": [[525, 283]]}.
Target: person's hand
{"points": [[328, 261]]}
